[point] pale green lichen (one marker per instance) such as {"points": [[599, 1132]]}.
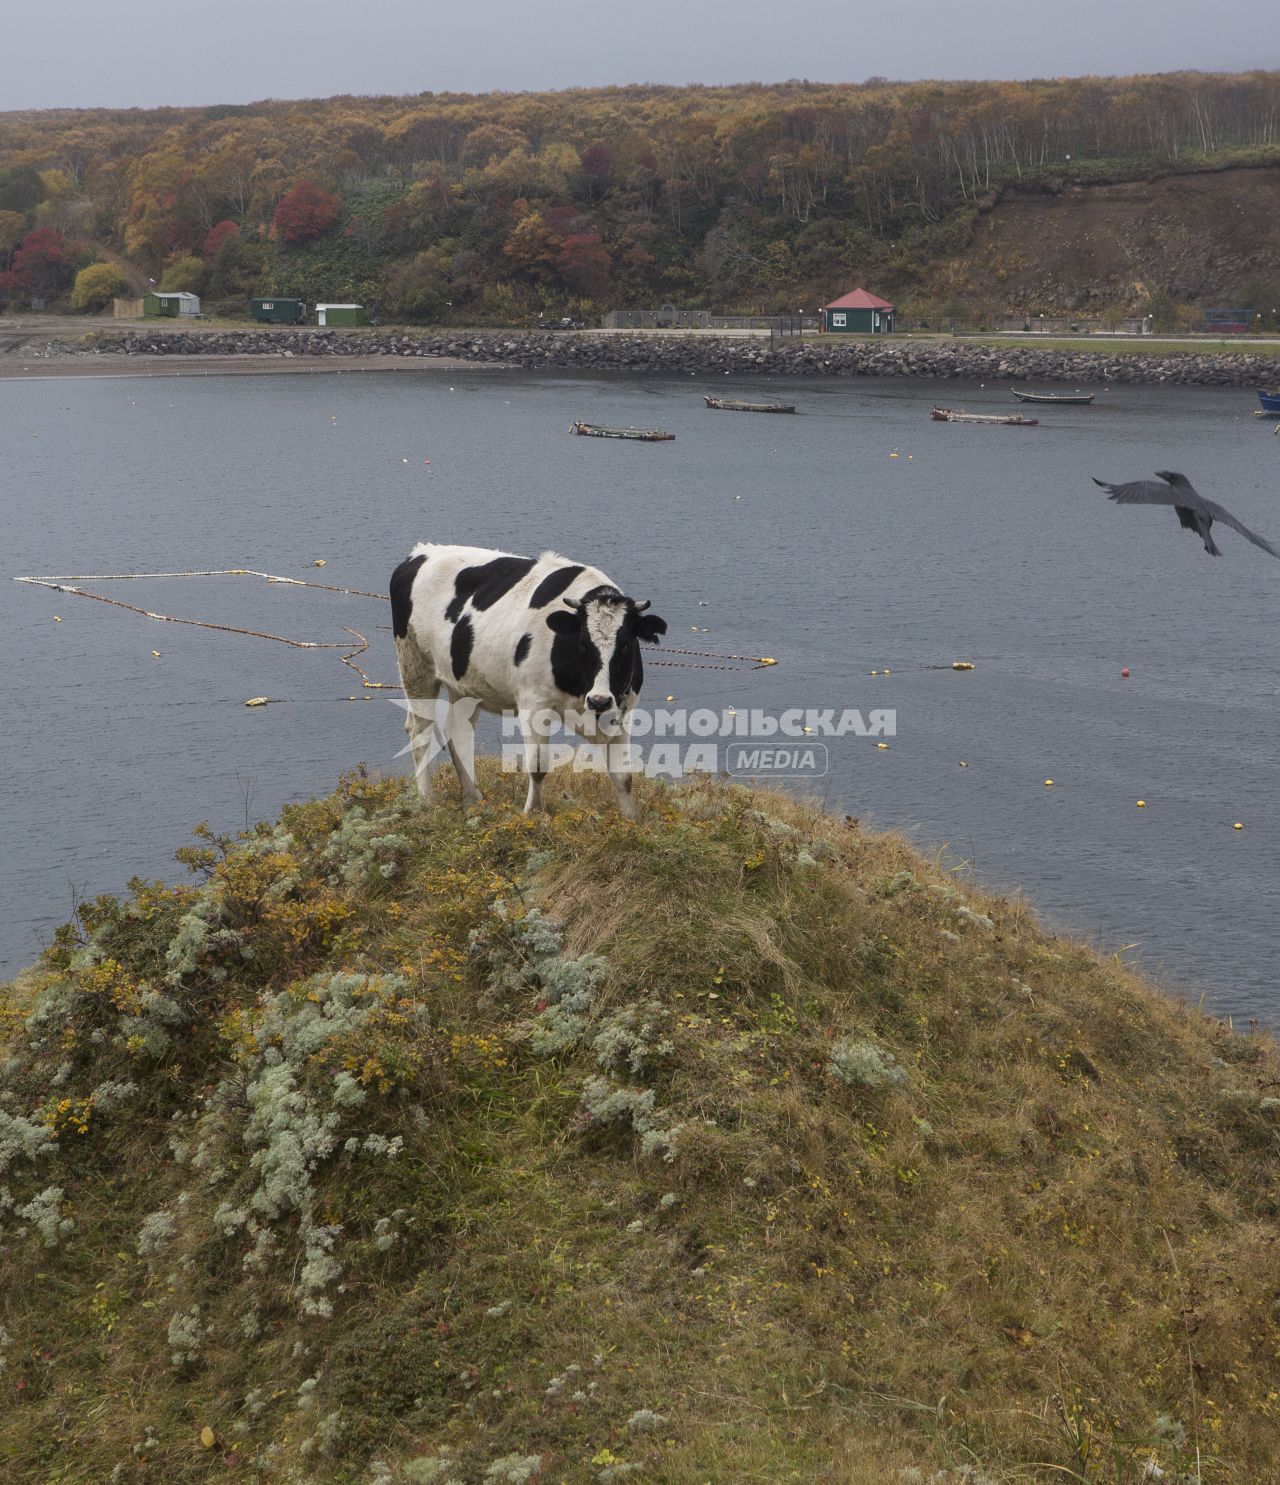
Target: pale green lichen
{"points": [[44, 1213], [862, 1064], [186, 1336]]}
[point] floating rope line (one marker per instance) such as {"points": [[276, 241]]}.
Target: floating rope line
{"points": [[757, 662], [69, 583], [53, 580]]}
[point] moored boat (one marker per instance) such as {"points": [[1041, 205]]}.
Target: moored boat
{"points": [[956, 415], [1067, 399], [1270, 401], [643, 435], [732, 404]]}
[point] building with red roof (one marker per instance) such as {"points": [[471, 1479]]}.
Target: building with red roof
{"points": [[858, 313]]}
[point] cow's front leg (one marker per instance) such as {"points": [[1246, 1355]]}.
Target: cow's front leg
{"points": [[621, 775], [535, 760]]}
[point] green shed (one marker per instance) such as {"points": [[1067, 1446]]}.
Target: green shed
{"points": [[279, 311], [858, 313], [340, 314], [170, 305]]}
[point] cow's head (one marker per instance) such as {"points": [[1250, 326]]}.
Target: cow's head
{"points": [[596, 653]]}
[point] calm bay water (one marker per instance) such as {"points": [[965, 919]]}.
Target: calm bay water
{"points": [[801, 538]]}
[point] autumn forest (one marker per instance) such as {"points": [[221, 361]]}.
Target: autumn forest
{"points": [[494, 209]]}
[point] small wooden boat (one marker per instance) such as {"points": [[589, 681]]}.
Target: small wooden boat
{"points": [[1066, 399], [954, 415], [731, 404], [1270, 401], [644, 435]]}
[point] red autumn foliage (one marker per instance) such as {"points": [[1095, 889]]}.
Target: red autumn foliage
{"points": [[42, 263], [217, 236], [305, 213], [585, 263]]}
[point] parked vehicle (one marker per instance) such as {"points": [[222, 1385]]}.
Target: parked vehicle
{"points": [[569, 322]]}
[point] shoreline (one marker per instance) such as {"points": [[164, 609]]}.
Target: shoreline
{"points": [[67, 366], [205, 352]]}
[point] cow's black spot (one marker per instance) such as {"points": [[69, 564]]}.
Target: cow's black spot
{"points": [[523, 645], [574, 659], [401, 588], [460, 647], [485, 584], [626, 669], [554, 584]]}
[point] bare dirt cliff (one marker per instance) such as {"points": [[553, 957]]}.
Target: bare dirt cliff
{"points": [[1212, 237]]}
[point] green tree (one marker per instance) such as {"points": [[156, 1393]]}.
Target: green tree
{"points": [[21, 189], [96, 286], [186, 274], [12, 226], [418, 291]]}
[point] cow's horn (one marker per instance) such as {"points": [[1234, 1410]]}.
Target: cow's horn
{"points": [[640, 607], [574, 602]]}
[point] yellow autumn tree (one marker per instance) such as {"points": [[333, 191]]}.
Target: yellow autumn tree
{"points": [[96, 286]]}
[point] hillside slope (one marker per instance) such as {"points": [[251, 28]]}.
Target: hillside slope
{"points": [[734, 1145], [1211, 238], [499, 208]]}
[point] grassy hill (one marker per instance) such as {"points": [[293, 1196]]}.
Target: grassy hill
{"points": [[736, 1145]]}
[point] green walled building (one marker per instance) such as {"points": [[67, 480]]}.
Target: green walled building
{"points": [[340, 314], [858, 313], [279, 311]]}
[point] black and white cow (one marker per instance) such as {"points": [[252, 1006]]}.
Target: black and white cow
{"points": [[544, 637]]}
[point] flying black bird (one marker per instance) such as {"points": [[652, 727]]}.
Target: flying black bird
{"points": [[1193, 510]]}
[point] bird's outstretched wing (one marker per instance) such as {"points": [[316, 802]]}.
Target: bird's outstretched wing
{"points": [[1212, 508], [1143, 492], [1155, 492]]}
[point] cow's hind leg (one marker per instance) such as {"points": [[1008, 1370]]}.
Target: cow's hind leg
{"points": [[460, 737], [421, 687]]}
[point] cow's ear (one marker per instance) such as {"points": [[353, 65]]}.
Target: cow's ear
{"points": [[563, 623], [649, 627]]}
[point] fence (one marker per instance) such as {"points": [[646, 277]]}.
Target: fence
{"points": [[671, 318]]}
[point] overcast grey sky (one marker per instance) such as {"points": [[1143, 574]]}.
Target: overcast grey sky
{"points": [[139, 53]]}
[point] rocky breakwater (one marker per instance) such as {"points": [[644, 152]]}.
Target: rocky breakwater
{"points": [[707, 356]]}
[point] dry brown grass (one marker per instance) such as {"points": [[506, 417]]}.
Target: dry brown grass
{"points": [[1058, 1231]]}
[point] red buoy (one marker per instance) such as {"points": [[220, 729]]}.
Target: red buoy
{"points": [[1125, 672]]}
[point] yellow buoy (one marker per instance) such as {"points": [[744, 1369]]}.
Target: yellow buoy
{"points": [[882, 745], [766, 660], [57, 618], [1238, 825], [670, 698], [1048, 783], [257, 701], [156, 653], [319, 562], [1142, 804], [962, 665]]}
